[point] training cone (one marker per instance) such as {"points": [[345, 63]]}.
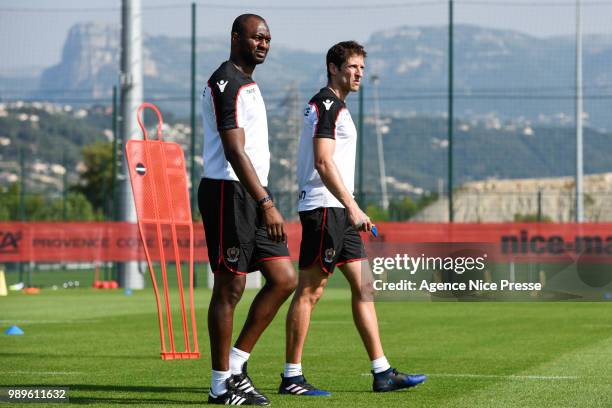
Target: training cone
{"points": [[3, 291], [14, 331], [31, 291]]}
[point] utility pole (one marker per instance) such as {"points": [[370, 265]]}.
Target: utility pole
{"points": [[131, 98], [579, 109]]}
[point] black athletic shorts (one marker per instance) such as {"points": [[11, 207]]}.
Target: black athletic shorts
{"points": [[329, 238], [236, 237]]}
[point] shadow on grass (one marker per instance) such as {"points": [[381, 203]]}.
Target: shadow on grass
{"points": [[134, 401]]}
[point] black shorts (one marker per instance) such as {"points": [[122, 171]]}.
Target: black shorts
{"points": [[235, 235], [329, 238]]}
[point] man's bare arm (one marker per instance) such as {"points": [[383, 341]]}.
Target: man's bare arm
{"points": [[324, 149], [233, 147]]}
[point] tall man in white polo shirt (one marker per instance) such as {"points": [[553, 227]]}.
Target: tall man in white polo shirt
{"points": [[331, 220], [244, 230]]}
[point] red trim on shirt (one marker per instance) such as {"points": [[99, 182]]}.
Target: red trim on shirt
{"points": [[237, 96], [316, 129], [336, 120], [212, 95]]}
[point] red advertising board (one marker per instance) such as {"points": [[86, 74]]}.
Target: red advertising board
{"points": [[117, 241]]}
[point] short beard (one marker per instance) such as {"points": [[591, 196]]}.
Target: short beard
{"points": [[251, 59]]}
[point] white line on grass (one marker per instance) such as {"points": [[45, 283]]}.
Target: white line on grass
{"points": [[343, 322], [45, 372], [509, 377], [64, 321]]}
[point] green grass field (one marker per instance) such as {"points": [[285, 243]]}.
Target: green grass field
{"points": [[104, 346]]}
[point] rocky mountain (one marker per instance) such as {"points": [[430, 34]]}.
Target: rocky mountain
{"points": [[89, 64], [495, 71], [503, 72]]}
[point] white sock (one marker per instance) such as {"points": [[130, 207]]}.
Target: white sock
{"points": [[237, 358], [291, 370], [380, 364], [217, 384]]}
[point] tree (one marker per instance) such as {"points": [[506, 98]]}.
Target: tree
{"points": [[376, 213], [77, 208], [531, 218], [37, 207], [96, 181], [400, 209]]}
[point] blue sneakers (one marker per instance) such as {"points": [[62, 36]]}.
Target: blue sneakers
{"points": [[392, 380], [299, 386]]}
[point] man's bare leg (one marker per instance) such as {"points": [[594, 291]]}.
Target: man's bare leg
{"points": [[281, 281], [311, 283], [309, 290], [386, 378], [362, 304], [227, 291]]}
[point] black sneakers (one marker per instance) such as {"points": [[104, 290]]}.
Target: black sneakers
{"points": [[245, 385], [299, 386], [392, 380], [233, 396]]}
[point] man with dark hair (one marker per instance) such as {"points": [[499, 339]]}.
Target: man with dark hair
{"points": [[244, 230], [331, 220]]}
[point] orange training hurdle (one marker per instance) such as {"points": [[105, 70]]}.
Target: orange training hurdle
{"points": [[159, 183]]}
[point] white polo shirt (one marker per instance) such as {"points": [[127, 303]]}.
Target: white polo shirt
{"points": [[325, 116], [232, 100]]}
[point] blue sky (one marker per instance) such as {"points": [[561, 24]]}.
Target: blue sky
{"points": [[35, 37]]}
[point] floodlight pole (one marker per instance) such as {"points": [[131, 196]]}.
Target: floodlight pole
{"points": [[131, 98], [579, 111], [114, 156], [379, 143], [192, 175], [450, 111], [64, 187], [22, 197], [361, 139]]}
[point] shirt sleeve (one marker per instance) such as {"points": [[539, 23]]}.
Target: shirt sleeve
{"points": [[226, 100], [327, 112]]}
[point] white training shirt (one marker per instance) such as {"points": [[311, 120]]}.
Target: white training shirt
{"points": [[325, 116], [232, 100]]}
